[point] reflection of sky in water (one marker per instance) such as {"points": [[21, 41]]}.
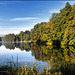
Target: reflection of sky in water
{"points": [[23, 56]]}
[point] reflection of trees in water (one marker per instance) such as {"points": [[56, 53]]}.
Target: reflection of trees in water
{"points": [[21, 46], [59, 59], [40, 52], [51, 54], [0, 43], [62, 59], [9, 45]]}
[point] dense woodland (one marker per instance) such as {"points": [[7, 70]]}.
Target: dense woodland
{"points": [[61, 27]]}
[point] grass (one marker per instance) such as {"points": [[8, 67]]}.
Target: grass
{"points": [[68, 69], [25, 70]]}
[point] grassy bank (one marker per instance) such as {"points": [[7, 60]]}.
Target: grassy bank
{"points": [[24, 70], [64, 69]]}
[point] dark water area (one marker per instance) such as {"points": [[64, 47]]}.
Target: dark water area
{"points": [[57, 59]]}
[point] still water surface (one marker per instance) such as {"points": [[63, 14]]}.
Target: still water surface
{"points": [[18, 53], [57, 59]]}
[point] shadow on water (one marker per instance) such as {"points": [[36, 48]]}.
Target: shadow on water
{"points": [[56, 42]]}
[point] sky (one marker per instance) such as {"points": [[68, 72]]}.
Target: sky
{"points": [[16, 16]]}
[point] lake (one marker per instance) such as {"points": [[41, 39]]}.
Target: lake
{"points": [[55, 58]]}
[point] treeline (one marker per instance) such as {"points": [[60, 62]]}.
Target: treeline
{"points": [[61, 27], [22, 36]]}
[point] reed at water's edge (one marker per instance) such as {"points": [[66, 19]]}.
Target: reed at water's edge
{"points": [[24, 70], [68, 69]]}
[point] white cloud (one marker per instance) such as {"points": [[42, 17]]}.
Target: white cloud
{"points": [[15, 30], [54, 11], [22, 19]]}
